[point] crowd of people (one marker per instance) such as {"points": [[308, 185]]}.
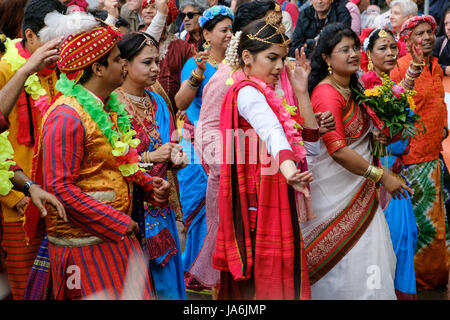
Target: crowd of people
{"points": [[159, 149]]}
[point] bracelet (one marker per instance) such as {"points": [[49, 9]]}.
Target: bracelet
{"points": [[413, 73], [373, 173], [192, 84], [196, 76], [194, 81], [26, 187], [407, 77], [422, 64]]}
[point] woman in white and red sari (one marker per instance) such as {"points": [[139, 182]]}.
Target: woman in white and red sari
{"points": [[348, 246]]}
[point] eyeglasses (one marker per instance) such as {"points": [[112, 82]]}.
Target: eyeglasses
{"points": [[190, 14], [346, 50]]}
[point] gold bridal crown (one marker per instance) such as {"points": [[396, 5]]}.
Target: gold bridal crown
{"points": [[273, 21]]}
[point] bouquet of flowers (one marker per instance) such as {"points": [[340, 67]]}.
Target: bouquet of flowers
{"points": [[393, 107]]}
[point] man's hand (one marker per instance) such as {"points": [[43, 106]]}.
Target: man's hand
{"points": [[39, 197], [133, 228], [20, 206], [162, 6], [161, 189], [112, 6], [43, 56]]}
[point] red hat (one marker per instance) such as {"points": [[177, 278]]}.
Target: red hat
{"points": [[409, 25], [356, 1], [82, 50], [173, 10]]}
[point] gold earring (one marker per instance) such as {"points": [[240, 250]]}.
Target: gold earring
{"points": [[330, 70], [206, 45], [370, 64]]}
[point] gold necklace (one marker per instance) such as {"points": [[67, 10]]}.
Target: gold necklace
{"points": [[150, 132], [346, 92], [213, 61]]}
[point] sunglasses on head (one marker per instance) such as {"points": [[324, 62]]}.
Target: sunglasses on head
{"points": [[190, 14]]}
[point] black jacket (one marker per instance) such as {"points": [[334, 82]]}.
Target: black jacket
{"points": [[306, 27], [444, 57]]}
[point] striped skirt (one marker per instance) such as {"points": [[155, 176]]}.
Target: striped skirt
{"points": [[105, 271], [19, 257], [432, 251]]}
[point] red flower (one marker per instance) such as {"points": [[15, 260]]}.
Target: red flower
{"points": [[131, 157], [370, 80]]}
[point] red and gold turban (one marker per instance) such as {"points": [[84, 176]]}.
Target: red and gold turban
{"points": [[81, 50], [173, 10], [409, 25]]}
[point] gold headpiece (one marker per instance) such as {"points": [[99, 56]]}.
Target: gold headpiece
{"points": [[2, 37], [272, 20], [382, 33]]}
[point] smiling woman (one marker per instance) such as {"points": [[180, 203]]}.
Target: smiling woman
{"points": [[346, 175], [215, 36], [154, 124]]}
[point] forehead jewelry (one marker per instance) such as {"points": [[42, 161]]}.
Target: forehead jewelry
{"points": [[270, 21]]}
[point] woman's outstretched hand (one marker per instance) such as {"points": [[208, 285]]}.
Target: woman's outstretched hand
{"points": [[299, 181], [298, 72]]}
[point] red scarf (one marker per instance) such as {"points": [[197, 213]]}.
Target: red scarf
{"points": [[26, 113], [272, 250]]}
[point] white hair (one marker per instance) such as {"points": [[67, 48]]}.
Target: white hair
{"points": [[60, 25], [201, 5], [408, 7]]}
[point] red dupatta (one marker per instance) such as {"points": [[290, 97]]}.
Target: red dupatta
{"points": [[272, 254]]}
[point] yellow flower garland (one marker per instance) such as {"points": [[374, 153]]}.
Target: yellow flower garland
{"points": [[6, 153], [32, 84]]}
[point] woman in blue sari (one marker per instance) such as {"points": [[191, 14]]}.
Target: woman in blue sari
{"points": [[152, 120], [382, 53], [216, 34]]}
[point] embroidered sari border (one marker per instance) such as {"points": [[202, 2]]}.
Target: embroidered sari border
{"points": [[366, 202]]}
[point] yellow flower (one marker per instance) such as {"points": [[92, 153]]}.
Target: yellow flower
{"points": [[411, 102], [290, 109], [128, 169], [372, 92], [120, 148]]}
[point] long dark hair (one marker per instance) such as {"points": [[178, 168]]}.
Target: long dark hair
{"points": [[330, 36], [132, 44], [263, 31]]}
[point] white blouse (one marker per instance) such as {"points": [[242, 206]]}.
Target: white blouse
{"points": [[253, 107]]}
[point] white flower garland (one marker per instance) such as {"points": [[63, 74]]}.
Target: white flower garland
{"points": [[231, 54]]}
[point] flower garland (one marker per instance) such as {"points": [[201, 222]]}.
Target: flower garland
{"points": [[123, 143], [32, 84], [231, 54], [214, 11], [6, 153], [283, 111]]}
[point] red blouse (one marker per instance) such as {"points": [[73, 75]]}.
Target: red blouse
{"points": [[351, 121]]}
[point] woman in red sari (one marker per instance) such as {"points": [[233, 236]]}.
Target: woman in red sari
{"points": [[259, 246]]}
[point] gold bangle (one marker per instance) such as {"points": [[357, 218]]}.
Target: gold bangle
{"points": [[376, 174], [196, 76], [368, 171], [422, 64]]}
